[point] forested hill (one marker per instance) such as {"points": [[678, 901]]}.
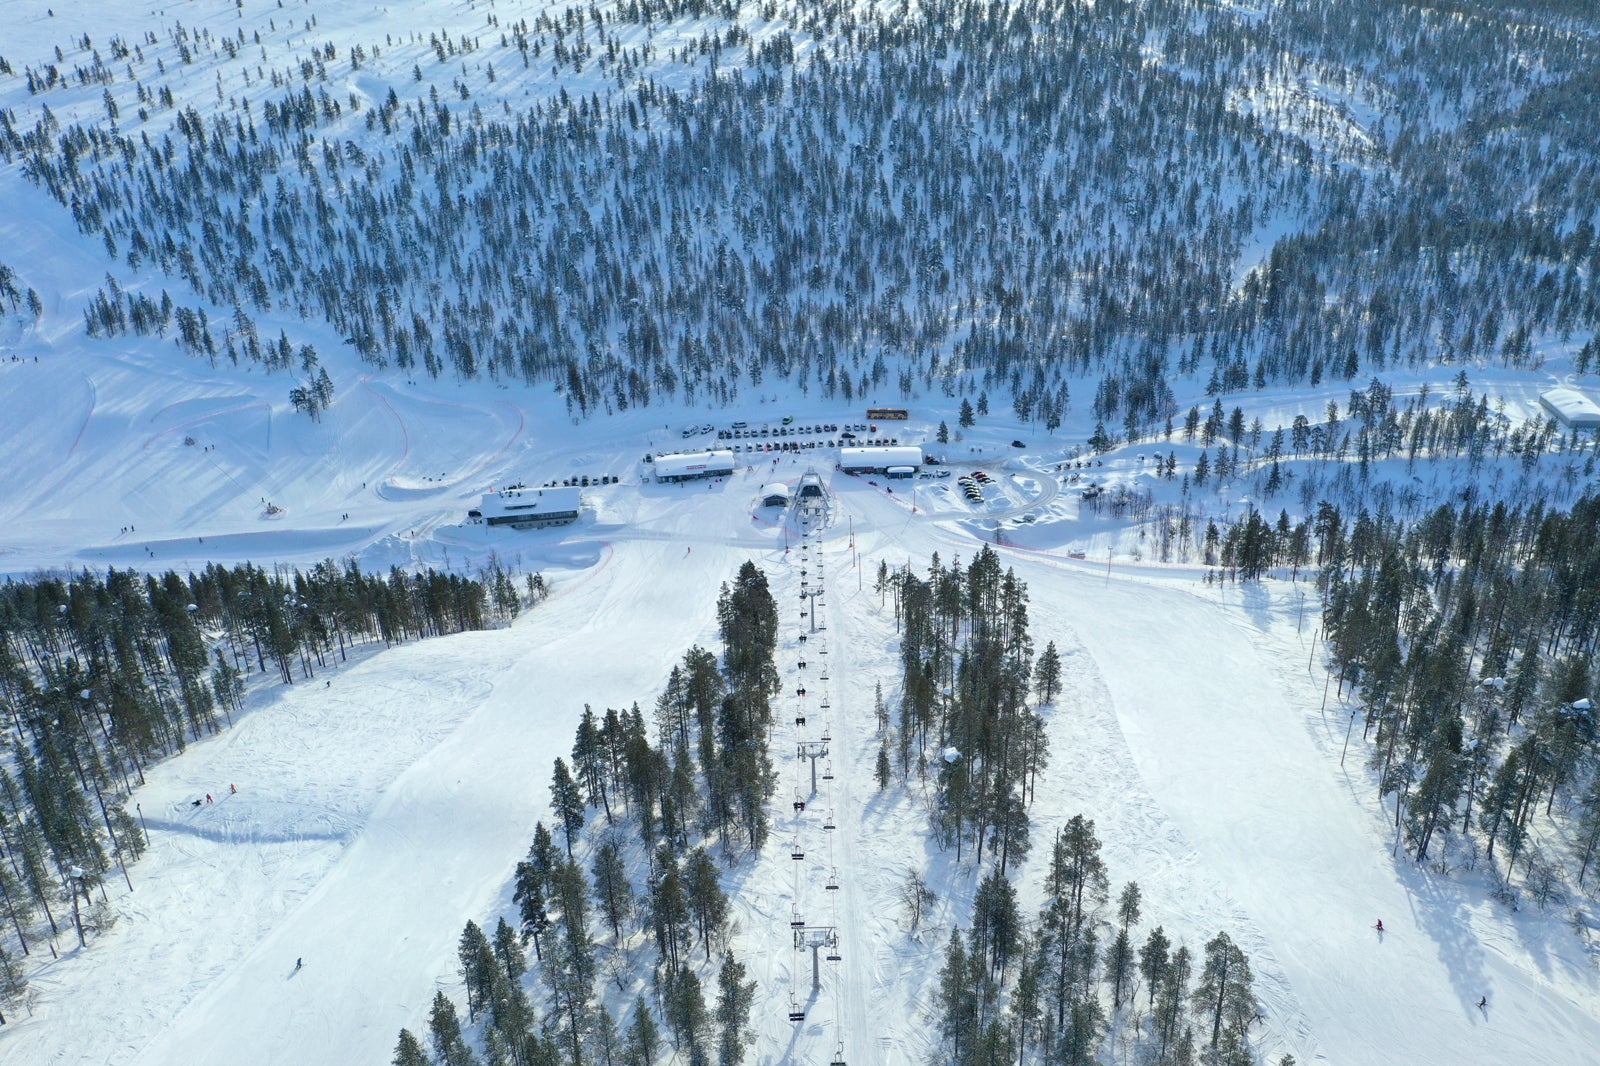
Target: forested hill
{"points": [[649, 200]]}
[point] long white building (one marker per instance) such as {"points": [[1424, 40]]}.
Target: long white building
{"points": [[880, 459], [689, 465], [1572, 408]]}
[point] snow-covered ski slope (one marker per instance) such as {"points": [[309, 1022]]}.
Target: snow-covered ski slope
{"points": [[376, 814]]}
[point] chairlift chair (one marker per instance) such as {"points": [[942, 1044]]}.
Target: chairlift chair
{"points": [[797, 855]]}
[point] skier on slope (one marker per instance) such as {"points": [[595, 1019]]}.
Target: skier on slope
{"points": [[299, 963], [1380, 925]]}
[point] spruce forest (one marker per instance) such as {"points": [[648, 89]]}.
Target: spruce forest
{"points": [[1209, 679]]}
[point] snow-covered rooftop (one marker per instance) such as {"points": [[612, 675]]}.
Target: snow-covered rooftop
{"points": [[1572, 408]]}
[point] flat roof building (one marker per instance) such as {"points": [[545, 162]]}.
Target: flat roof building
{"points": [[1571, 408], [690, 465], [879, 459], [775, 495], [522, 508]]}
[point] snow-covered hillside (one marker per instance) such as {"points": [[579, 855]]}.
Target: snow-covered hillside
{"points": [[358, 824], [376, 814]]}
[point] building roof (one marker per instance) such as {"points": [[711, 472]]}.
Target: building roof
{"points": [[531, 503], [776, 488], [1571, 407], [690, 464], [899, 455]]}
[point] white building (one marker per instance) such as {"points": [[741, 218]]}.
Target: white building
{"points": [[878, 460], [691, 465], [775, 495], [522, 508], [1572, 408]]}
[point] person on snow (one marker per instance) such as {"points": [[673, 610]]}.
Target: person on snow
{"points": [[1380, 925], [1483, 1003], [231, 790], [208, 797], [299, 963]]}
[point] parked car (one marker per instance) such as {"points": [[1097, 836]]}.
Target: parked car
{"points": [[1018, 444], [847, 435]]}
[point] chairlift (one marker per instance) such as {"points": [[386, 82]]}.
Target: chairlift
{"points": [[800, 719], [829, 823], [833, 881], [827, 772], [797, 855], [833, 956], [795, 1013]]}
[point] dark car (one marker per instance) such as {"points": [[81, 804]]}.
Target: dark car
{"points": [[1018, 444]]}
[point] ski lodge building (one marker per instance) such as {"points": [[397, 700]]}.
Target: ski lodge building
{"points": [[1571, 408], [775, 495], [897, 461], [522, 508], [691, 465]]}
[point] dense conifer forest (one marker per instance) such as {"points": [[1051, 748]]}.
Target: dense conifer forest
{"points": [[103, 675], [855, 199], [647, 811], [1468, 639]]}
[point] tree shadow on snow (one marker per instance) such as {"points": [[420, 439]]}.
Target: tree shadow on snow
{"points": [[1442, 909]]}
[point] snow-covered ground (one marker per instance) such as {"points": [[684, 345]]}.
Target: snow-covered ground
{"points": [[377, 813]]}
